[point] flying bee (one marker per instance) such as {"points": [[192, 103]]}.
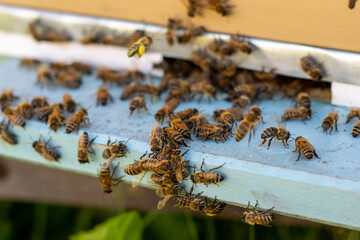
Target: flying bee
{"points": [[69, 103], [163, 179], [214, 208], [227, 118], [45, 151], [166, 110], [6, 135], [136, 35], [196, 121], [157, 138], [185, 114], [56, 118], [302, 113], [84, 147], [278, 133], [221, 6], [140, 46], [137, 103], [189, 202], [7, 97], [25, 109], [174, 136], [207, 177], [312, 69], [204, 88], [39, 102], [303, 100], [106, 178], [82, 67], [75, 120], [29, 62], [221, 47], [241, 102], [252, 216], [115, 149], [250, 121], [14, 116], [304, 147], [330, 121], [103, 96], [167, 193], [353, 113], [181, 127], [352, 4], [356, 129], [238, 43]]}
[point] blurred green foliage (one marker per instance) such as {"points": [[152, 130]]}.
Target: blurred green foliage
{"points": [[40, 221]]}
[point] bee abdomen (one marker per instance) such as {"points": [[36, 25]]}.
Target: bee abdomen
{"points": [[71, 126], [106, 153], [356, 130], [241, 131], [19, 120], [266, 219], [269, 132], [308, 153]]}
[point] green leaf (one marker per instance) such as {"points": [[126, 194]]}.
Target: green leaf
{"points": [[126, 226]]}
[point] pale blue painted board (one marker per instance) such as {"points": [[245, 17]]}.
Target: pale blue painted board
{"points": [[324, 192]]}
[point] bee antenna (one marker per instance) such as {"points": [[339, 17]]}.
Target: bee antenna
{"points": [[318, 127], [127, 141]]}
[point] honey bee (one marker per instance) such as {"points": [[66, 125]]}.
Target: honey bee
{"points": [[195, 7], [25, 109], [221, 47], [76, 119], [163, 179], [83, 147], [166, 110], [204, 88], [29, 62], [167, 193], [352, 3], [214, 208], [137, 103], [191, 33], [312, 69], [39, 102], [14, 116], [252, 216], [302, 113], [156, 138], [7, 97], [115, 149], [45, 151], [251, 119], [59, 66], [136, 35], [70, 78], [189, 202], [129, 91], [241, 102], [227, 118], [278, 133], [227, 67], [151, 90], [185, 114], [42, 31], [94, 36], [238, 43], [356, 129], [82, 67], [174, 136], [106, 178], [202, 58], [140, 46], [304, 147], [181, 127], [353, 113], [43, 113], [6, 135], [221, 6], [195, 122], [216, 132], [170, 35], [45, 76], [69, 103], [266, 76], [303, 100], [207, 177], [103, 96], [330, 121], [56, 118]]}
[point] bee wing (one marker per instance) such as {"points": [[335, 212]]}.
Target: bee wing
{"points": [[178, 174], [163, 202], [138, 179]]}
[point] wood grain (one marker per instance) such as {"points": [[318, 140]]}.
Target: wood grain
{"points": [[324, 23]]}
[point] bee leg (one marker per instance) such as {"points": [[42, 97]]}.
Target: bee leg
{"points": [[299, 155], [185, 152], [316, 155], [270, 142], [283, 142], [336, 128], [217, 167], [143, 155], [247, 208], [202, 164], [257, 203], [331, 128], [47, 142], [263, 142], [249, 137], [268, 210]]}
